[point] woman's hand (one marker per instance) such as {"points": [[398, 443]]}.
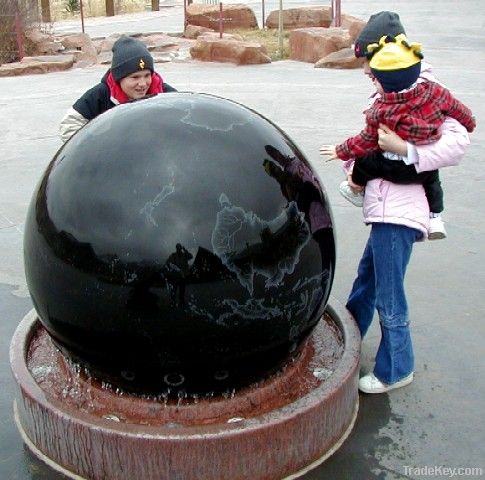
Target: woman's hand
{"points": [[390, 141], [328, 151]]}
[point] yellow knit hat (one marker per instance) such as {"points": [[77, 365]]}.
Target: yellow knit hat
{"points": [[394, 53], [395, 62]]}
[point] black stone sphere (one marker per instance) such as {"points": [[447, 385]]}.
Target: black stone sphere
{"points": [[181, 241]]}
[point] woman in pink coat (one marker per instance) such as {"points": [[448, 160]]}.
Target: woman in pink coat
{"points": [[398, 216]]}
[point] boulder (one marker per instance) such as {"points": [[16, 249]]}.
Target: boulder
{"points": [[164, 57], [160, 44], [107, 44], [353, 24], [36, 36], [208, 49], [81, 43], [194, 31], [302, 17], [154, 41], [312, 44], [43, 64], [165, 48], [104, 58], [42, 43], [342, 59], [234, 16]]}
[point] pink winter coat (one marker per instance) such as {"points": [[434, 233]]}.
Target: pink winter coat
{"points": [[386, 202]]}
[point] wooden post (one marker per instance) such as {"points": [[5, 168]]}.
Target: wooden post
{"points": [[280, 28], [82, 14], [110, 8], [45, 10], [221, 24], [155, 5], [185, 15]]}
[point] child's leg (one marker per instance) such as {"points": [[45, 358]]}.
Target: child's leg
{"points": [[434, 194], [374, 165], [367, 168]]}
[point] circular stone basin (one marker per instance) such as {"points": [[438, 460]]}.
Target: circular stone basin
{"points": [[280, 427]]}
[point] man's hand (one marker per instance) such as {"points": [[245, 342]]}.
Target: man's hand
{"points": [[389, 141], [328, 151]]}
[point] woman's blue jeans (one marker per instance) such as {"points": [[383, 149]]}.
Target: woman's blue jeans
{"points": [[380, 285]]}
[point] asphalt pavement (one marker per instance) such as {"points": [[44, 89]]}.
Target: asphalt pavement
{"points": [[414, 432]]}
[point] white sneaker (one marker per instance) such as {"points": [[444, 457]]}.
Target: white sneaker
{"points": [[356, 198], [371, 384], [436, 229]]}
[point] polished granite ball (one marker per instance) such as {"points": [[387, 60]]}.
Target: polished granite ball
{"points": [[181, 241]]}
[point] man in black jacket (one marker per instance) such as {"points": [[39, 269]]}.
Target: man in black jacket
{"points": [[130, 77]]}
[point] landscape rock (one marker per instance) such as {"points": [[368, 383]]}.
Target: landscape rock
{"points": [[107, 43], [312, 44], [164, 57], [302, 17], [34, 65], [209, 49], [83, 45], [158, 41], [353, 24], [42, 43], [342, 59], [234, 16], [194, 31]]}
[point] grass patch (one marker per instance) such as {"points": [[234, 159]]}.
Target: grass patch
{"points": [[269, 38]]}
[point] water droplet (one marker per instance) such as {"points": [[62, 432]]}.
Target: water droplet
{"points": [[128, 375], [174, 379], [41, 371], [112, 417], [322, 373], [221, 374], [235, 419]]}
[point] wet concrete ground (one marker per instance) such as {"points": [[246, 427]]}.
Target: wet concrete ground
{"points": [[436, 421]]}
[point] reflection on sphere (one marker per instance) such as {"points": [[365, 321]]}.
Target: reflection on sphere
{"points": [[181, 241]]}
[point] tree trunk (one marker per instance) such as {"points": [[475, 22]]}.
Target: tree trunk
{"points": [[45, 11], [110, 8]]}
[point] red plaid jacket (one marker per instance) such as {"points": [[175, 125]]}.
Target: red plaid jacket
{"points": [[415, 115]]}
